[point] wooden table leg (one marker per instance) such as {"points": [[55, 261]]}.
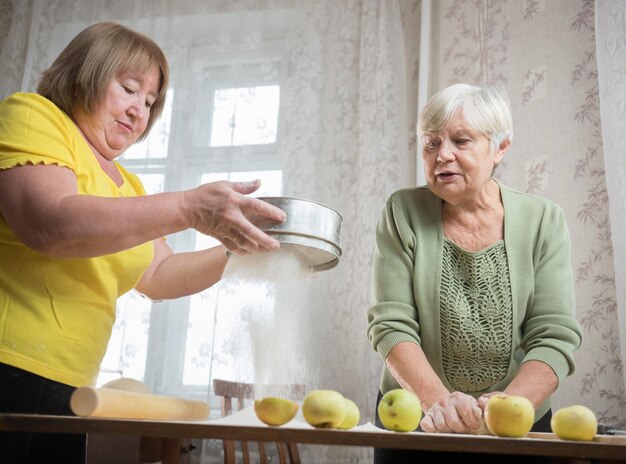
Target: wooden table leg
{"points": [[172, 452], [165, 450]]}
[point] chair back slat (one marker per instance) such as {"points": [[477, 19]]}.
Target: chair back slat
{"points": [[228, 391]]}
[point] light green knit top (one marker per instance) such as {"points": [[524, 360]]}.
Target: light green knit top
{"points": [[476, 316], [407, 277]]}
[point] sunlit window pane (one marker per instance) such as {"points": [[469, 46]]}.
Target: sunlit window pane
{"points": [[200, 334], [214, 313], [152, 183], [127, 350], [245, 116], [155, 145]]}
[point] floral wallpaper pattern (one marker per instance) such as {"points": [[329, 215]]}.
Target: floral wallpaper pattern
{"points": [[479, 42], [547, 63]]}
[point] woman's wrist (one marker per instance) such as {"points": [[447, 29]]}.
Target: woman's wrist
{"points": [[428, 400]]}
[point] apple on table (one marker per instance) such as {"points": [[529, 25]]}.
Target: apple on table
{"points": [[575, 422], [275, 411], [509, 415], [330, 409], [400, 410]]}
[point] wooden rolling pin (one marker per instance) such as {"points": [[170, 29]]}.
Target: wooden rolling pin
{"points": [[121, 404]]}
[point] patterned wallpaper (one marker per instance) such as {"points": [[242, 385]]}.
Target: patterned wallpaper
{"points": [[543, 53]]}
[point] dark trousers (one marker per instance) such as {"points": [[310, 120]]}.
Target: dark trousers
{"points": [[401, 456], [25, 392]]}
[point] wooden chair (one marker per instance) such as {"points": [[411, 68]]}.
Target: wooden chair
{"points": [[229, 391]]}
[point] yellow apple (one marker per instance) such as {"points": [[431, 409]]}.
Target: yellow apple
{"points": [[400, 410], [275, 411], [324, 408], [509, 415], [574, 423], [353, 415]]}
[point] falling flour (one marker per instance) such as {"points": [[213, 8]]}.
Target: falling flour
{"points": [[265, 322], [282, 266]]}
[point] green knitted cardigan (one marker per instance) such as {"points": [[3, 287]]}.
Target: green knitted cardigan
{"points": [[406, 282]]}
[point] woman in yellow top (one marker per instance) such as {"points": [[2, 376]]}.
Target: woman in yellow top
{"points": [[77, 230]]}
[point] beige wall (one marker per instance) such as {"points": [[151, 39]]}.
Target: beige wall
{"points": [[543, 53]]}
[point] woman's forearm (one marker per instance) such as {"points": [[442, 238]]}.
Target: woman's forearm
{"points": [[43, 208], [408, 365], [535, 380], [97, 226], [182, 274]]}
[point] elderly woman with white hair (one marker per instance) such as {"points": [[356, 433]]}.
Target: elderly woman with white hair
{"points": [[473, 291]]}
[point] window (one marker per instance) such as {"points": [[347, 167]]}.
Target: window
{"points": [[235, 137], [127, 351], [245, 116]]}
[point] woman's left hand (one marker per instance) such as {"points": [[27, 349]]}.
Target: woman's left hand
{"points": [[482, 399], [457, 413]]}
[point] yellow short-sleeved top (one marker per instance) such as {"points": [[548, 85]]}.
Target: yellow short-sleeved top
{"points": [[56, 315]]}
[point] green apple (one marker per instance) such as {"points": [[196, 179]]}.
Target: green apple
{"points": [[353, 415], [324, 408], [509, 415], [574, 423], [275, 411], [400, 410]]}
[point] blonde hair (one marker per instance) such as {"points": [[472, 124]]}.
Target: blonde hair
{"points": [[83, 71], [485, 109]]}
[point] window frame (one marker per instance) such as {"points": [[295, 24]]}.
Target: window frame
{"points": [[168, 319]]}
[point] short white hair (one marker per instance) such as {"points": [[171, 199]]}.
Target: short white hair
{"points": [[485, 109]]}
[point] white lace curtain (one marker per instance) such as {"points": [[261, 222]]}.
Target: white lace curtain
{"points": [[348, 86], [611, 56]]}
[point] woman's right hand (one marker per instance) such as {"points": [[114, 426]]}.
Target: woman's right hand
{"points": [[455, 413], [223, 210]]}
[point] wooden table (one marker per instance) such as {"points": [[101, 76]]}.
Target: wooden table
{"points": [[605, 448]]}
